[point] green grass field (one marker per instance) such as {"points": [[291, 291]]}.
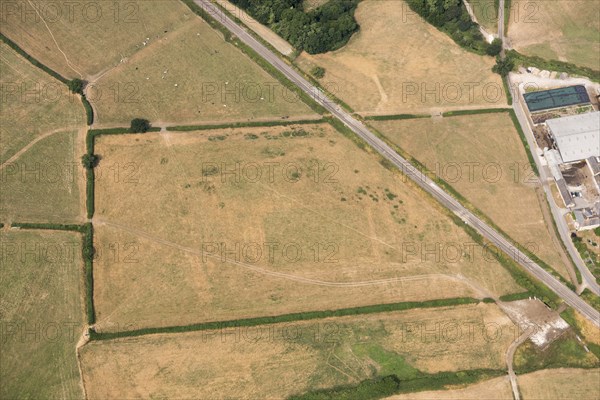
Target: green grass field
{"points": [[41, 314]]}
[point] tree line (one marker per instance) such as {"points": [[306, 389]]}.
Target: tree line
{"points": [[325, 28]]}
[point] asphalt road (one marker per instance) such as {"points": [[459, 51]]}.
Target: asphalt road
{"points": [[412, 172]]}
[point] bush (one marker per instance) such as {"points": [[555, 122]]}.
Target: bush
{"points": [[597, 231], [76, 85], [503, 66], [89, 160], [494, 48], [318, 72], [139, 125]]}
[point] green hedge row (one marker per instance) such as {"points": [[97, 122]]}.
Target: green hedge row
{"points": [[249, 124], [88, 260], [395, 117], [90, 192], [515, 296], [474, 112], [381, 387], [32, 60], [54, 227], [89, 111], [309, 315]]}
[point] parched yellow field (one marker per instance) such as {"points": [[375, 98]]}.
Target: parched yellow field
{"points": [[398, 63], [275, 361], [192, 75], [566, 30], [561, 383], [81, 39], [43, 183], [41, 314], [482, 157], [33, 104], [324, 226], [492, 389]]}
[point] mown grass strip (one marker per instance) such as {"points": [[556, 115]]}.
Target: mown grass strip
{"points": [[395, 117], [519, 129], [32, 60], [248, 124], [305, 316], [381, 387], [475, 112]]}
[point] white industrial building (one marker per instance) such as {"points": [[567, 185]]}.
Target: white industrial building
{"points": [[577, 137]]}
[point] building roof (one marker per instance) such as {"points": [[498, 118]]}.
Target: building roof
{"points": [[556, 98], [594, 165], [577, 136], [564, 192]]}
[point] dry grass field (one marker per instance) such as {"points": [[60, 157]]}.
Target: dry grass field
{"points": [[566, 30], [41, 314], [81, 39], [374, 72], [482, 157], [33, 104], [562, 383], [43, 184], [492, 389], [320, 225], [275, 361], [183, 79]]}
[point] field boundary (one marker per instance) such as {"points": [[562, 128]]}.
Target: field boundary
{"points": [[294, 317], [394, 117]]}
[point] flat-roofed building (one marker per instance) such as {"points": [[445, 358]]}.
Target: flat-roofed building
{"points": [[577, 137]]}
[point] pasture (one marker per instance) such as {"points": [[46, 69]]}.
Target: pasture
{"points": [[192, 75], [234, 223], [86, 38]]}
